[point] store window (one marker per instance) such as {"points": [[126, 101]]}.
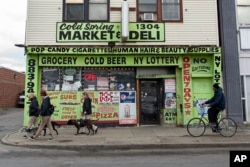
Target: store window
{"points": [[51, 79], [122, 79], [160, 10], [88, 79], [86, 10]]}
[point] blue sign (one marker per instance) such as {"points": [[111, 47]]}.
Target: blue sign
{"points": [[127, 97]]}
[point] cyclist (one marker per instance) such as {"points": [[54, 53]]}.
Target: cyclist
{"points": [[216, 103]]}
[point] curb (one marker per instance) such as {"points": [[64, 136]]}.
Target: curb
{"points": [[128, 147]]}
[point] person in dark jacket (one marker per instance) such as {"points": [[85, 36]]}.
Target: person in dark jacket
{"points": [[87, 110], [33, 112], [46, 115], [216, 103]]}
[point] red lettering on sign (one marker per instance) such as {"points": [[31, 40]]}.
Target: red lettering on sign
{"points": [[187, 112], [106, 97], [90, 77], [186, 81]]}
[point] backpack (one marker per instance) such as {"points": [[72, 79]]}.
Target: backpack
{"points": [[51, 109]]}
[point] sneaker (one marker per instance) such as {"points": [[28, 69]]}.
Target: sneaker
{"points": [[212, 125], [51, 139], [96, 130], [219, 129], [216, 129], [31, 138]]}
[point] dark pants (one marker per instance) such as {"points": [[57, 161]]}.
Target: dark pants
{"points": [[213, 115]]}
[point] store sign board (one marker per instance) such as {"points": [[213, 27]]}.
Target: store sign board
{"points": [[109, 32], [121, 50], [96, 61]]}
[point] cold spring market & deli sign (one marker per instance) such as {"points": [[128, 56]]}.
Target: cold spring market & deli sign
{"points": [[111, 32]]}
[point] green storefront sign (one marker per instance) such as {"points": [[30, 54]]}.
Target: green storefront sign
{"points": [[111, 32], [95, 61], [121, 50]]}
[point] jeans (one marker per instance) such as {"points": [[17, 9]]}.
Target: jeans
{"points": [[213, 116]]}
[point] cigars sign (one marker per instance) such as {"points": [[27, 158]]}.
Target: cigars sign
{"points": [[109, 32]]}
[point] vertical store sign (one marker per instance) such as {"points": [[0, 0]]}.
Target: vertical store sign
{"points": [[30, 81], [187, 91], [217, 68]]}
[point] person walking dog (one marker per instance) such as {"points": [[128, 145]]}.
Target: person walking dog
{"points": [[87, 110], [46, 117]]}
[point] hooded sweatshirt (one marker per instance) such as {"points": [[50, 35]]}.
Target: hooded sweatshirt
{"points": [[218, 100]]}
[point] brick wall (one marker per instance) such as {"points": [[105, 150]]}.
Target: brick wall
{"points": [[11, 84]]}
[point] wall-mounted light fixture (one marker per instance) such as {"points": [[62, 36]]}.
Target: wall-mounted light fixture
{"points": [[22, 46]]}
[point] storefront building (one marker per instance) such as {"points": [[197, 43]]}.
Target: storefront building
{"points": [[151, 69], [243, 33]]}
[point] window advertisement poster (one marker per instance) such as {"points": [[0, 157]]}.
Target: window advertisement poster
{"points": [[108, 97], [127, 108], [170, 94], [71, 79], [67, 105], [170, 85], [105, 106], [95, 79], [102, 83], [170, 100], [50, 79]]}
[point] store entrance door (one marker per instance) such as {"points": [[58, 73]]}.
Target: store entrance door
{"points": [[150, 102]]}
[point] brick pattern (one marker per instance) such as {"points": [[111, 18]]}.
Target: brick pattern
{"points": [[11, 84]]}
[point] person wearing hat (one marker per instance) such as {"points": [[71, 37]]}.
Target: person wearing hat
{"points": [[217, 103]]}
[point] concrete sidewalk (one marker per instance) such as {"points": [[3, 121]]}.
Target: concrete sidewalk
{"points": [[131, 138]]}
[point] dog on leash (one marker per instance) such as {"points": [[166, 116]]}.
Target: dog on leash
{"points": [[79, 123], [54, 124]]}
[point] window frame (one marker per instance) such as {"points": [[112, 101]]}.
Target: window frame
{"points": [[160, 14], [241, 30], [86, 78], [85, 4]]}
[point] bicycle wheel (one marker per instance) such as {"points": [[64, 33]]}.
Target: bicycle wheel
{"points": [[227, 127], [196, 127]]}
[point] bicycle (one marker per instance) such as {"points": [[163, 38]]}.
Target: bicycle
{"points": [[196, 127]]}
